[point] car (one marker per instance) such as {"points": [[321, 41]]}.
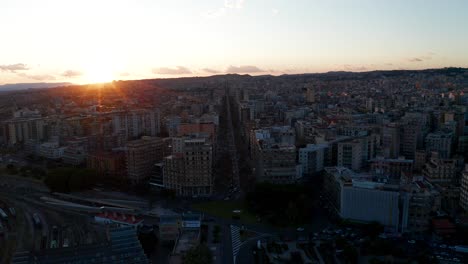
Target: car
{"points": [[383, 236], [37, 221], [443, 246], [66, 243], [411, 241], [12, 211], [300, 229]]}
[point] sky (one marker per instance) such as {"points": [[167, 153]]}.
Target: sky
{"points": [[85, 41]]}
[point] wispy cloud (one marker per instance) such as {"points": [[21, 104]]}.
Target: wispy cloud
{"points": [[228, 5], [39, 77], [210, 70], [14, 67], [71, 74], [426, 57], [124, 74], [234, 4], [349, 67], [415, 59], [216, 13], [172, 71], [243, 69]]}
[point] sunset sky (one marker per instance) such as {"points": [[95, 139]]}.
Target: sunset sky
{"points": [[83, 41]]}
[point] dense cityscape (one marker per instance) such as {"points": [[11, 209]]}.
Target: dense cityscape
{"points": [[338, 167], [233, 132]]}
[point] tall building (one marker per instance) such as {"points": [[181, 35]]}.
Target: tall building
{"points": [[420, 158], [464, 190], [439, 170], [136, 123], [440, 142], [310, 94], [172, 124], [391, 140], [423, 202], [274, 153], [108, 165], [141, 155], [312, 158], [350, 154], [370, 104], [189, 171], [361, 200], [186, 129], [392, 170], [23, 127], [410, 139]]}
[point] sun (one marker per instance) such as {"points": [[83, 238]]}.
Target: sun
{"points": [[99, 73]]}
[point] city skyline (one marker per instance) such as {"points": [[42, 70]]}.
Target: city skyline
{"points": [[85, 42]]}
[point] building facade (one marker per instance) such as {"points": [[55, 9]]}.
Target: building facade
{"points": [[141, 155]]}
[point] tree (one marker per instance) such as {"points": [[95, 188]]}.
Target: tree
{"points": [[11, 169], [281, 205], [200, 254], [373, 229], [70, 179], [350, 254]]}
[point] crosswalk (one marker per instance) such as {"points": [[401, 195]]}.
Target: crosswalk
{"points": [[236, 241]]}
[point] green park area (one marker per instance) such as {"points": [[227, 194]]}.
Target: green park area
{"points": [[273, 204], [224, 209]]}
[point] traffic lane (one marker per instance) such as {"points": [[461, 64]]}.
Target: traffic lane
{"points": [[227, 244]]}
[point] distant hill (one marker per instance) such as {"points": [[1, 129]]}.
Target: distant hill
{"points": [[25, 86]]}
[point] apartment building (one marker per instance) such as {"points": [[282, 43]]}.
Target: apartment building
{"points": [[312, 158], [141, 155], [464, 190], [136, 123], [188, 171], [274, 153], [440, 142]]}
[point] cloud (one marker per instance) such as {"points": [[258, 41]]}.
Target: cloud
{"points": [[216, 13], [415, 59], [234, 4], [210, 70], [426, 57], [274, 11], [228, 5], [170, 71], [124, 74], [14, 67], [243, 69], [349, 67], [39, 77], [71, 74]]}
